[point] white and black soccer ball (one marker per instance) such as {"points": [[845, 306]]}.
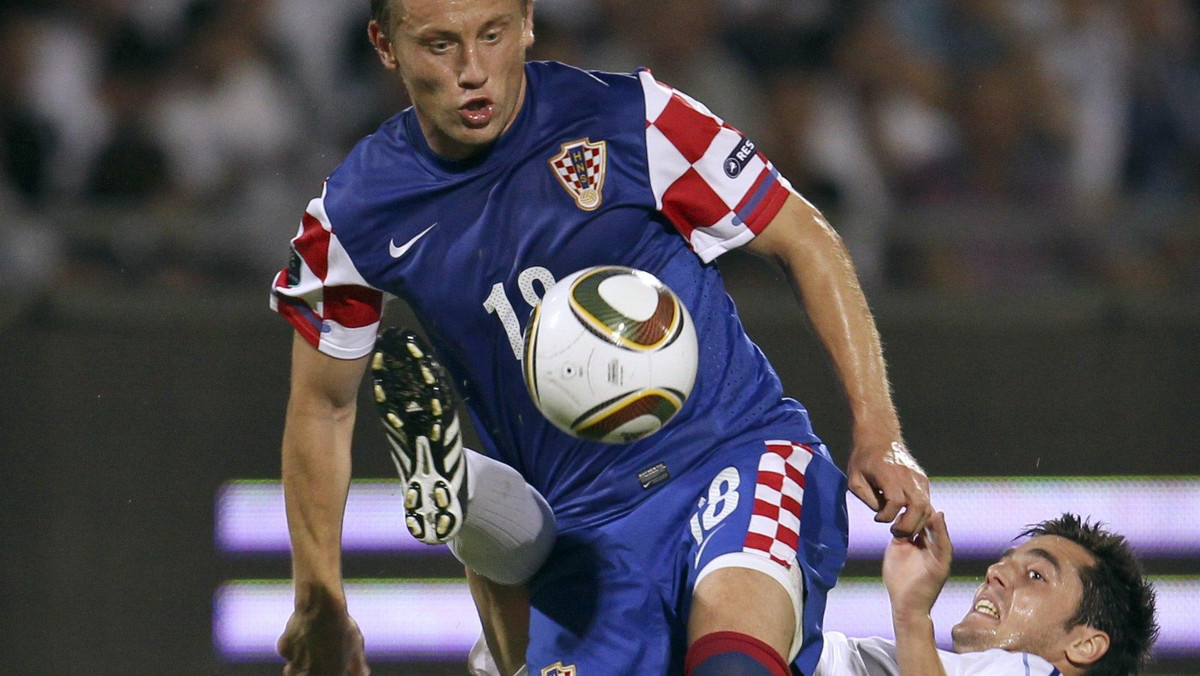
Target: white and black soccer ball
{"points": [[610, 354]]}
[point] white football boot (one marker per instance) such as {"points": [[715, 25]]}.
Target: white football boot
{"points": [[419, 411]]}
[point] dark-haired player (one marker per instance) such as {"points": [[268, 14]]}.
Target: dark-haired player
{"points": [[711, 543], [1069, 600]]}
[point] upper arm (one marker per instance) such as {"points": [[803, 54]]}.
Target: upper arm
{"points": [[797, 231], [319, 379]]}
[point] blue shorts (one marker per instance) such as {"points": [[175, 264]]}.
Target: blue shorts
{"points": [[614, 599]]}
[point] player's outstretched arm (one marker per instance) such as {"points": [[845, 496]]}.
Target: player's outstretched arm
{"points": [[881, 471], [915, 570], [320, 639]]}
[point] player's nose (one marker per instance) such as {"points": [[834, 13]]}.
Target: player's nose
{"points": [[998, 574], [471, 73]]}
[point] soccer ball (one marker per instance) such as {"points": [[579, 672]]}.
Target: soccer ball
{"points": [[610, 354]]}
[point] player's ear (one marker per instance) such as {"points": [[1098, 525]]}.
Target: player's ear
{"points": [[1086, 645], [527, 28], [382, 44]]}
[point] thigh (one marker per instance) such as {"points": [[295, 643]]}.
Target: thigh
{"points": [[776, 510], [740, 599]]}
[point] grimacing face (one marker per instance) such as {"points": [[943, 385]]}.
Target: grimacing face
{"points": [[1025, 601], [463, 63]]}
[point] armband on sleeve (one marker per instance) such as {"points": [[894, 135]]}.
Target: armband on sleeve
{"points": [[708, 179], [321, 293]]}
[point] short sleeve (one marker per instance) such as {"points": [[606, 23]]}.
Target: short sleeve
{"points": [[322, 294], [709, 180]]}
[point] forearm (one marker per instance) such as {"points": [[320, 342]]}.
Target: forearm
{"points": [[914, 571], [316, 467], [316, 477], [823, 277], [916, 649]]}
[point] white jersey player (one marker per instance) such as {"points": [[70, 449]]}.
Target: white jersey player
{"points": [[1070, 600]]}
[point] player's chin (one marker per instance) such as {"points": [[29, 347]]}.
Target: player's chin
{"points": [[473, 139], [481, 135], [972, 633]]}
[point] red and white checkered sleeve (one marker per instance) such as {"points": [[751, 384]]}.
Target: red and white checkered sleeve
{"points": [[709, 180], [323, 295]]}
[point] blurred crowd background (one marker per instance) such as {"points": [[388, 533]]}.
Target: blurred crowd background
{"points": [[979, 145]]}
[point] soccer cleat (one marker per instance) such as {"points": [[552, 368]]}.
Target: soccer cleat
{"points": [[419, 412]]}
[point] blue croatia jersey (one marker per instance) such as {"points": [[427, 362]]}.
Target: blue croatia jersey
{"points": [[597, 168]]}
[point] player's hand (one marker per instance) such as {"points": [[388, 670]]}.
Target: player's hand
{"points": [[888, 482], [323, 642], [916, 568]]}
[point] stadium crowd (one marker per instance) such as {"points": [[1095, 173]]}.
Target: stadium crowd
{"points": [[956, 144]]}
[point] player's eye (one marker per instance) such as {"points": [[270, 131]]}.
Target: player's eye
{"points": [[491, 36], [439, 46], [1034, 575]]}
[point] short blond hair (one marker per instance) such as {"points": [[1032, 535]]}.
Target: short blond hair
{"points": [[381, 12]]}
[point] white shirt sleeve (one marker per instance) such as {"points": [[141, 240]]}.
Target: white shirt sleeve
{"points": [[710, 181], [844, 656], [322, 293]]}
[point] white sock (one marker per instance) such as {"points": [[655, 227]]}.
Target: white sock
{"points": [[509, 529]]}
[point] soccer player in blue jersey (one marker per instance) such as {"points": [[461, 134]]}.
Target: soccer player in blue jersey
{"points": [[705, 549]]}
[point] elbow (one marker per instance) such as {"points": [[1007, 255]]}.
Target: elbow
{"points": [[799, 237], [321, 406]]}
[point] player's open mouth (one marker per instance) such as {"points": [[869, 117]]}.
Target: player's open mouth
{"points": [[986, 607], [477, 113]]}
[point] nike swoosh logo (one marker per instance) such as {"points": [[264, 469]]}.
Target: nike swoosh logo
{"points": [[398, 251]]}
